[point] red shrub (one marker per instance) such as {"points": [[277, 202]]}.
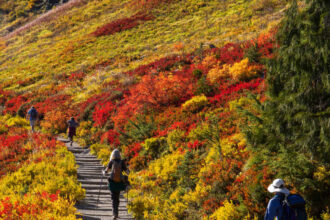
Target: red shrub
{"points": [[234, 91], [122, 24], [231, 53], [32, 209], [76, 76], [12, 151], [51, 103], [12, 106], [102, 113], [111, 137], [154, 92], [161, 65]]}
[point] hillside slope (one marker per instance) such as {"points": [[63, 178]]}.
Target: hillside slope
{"points": [[166, 82]]}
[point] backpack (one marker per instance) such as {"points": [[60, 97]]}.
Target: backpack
{"points": [[294, 207], [33, 114], [116, 171]]}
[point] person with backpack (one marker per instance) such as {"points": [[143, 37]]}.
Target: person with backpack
{"points": [[72, 129], [285, 206], [32, 112], [116, 179]]}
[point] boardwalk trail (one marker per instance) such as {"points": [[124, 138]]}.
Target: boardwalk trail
{"points": [[89, 174]]}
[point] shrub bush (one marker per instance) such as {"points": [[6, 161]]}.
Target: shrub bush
{"points": [[195, 104], [242, 70]]}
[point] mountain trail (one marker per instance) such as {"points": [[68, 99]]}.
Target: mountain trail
{"points": [[97, 204]]}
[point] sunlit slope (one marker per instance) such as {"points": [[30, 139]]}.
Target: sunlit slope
{"points": [[65, 44]]}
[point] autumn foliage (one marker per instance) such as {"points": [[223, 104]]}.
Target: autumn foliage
{"points": [[122, 24]]}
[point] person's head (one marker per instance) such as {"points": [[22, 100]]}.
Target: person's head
{"points": [[32, 106], [115, 154], [277, 186], [72, 118]]}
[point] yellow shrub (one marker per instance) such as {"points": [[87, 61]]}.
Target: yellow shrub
{"points": [[48, 187], [17, 121], [326, 216], [217, 73], [209, 61], [140, 206], [242, 70], [195, 196], [84, 128], [213, 155], [52, 174], [104, 155], [322, 174], [242, 102], [166, 166], [195, 104], [226, 212]]}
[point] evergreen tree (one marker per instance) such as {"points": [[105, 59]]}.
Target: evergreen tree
{"points": [[293, 130]]}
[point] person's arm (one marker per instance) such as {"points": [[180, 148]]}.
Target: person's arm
{"points": [[108, 167], [272, 209], [125, 168]]}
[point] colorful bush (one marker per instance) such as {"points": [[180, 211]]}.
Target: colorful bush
{"points": [[42, 205], [195, 104], [102, 113], [242, 70], [56, 121], [122, 24], [217, 73], [228, 93], [226, 212], [154, 147], [153, 92], [38, 185], [12, 106]]}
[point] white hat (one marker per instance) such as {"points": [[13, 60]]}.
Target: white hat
{"points": [[278, 186]]}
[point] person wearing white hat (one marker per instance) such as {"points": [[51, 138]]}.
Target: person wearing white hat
{"points": [[274, 208]]}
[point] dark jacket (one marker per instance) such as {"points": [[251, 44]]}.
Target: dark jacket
{"points": [[117, 186], [274, 208]]}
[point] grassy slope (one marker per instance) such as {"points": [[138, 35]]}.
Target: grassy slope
{"points": [[64, 45]]}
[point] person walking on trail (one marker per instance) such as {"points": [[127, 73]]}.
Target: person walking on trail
{"points": [[72, 129], [116, 179], [284, 206], [33, 114]]}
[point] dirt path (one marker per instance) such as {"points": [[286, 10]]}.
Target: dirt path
{"points": [[89, 174]]}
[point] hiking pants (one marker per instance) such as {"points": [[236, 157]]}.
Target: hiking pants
{"points": [[115, 202], [32, 124]]}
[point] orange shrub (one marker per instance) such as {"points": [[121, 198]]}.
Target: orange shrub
{"points": [[217, 73]]}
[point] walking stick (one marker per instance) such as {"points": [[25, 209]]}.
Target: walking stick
{"points": [[98, 197]]}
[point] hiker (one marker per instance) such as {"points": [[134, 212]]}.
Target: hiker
{"points": [[72, 129], [284, 205], [33, 117], [116, 179]]}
